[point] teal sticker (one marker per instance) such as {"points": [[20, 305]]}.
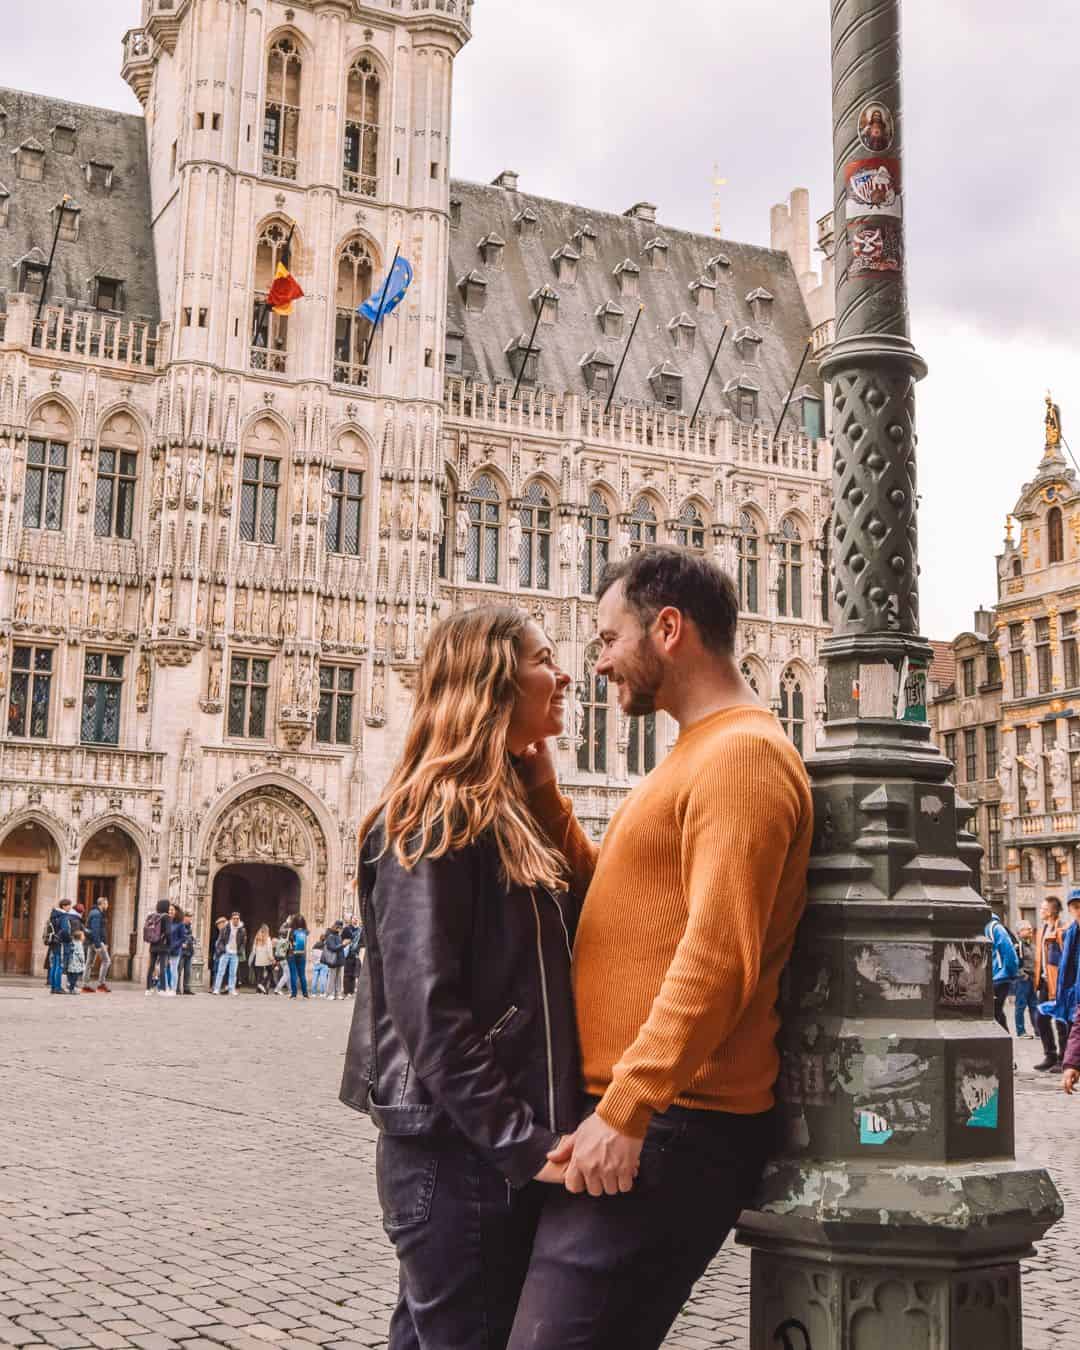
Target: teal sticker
{"points": [[873, 1129], [985, 1117]]}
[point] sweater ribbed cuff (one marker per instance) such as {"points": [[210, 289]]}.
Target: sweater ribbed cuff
{"points": [[621, 1108]]}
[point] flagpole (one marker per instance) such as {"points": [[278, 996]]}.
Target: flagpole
{"points": [[712, 367], [52, 254], [794, 382], [528, 349], [382, 303], [622, 360], [286, 258]]}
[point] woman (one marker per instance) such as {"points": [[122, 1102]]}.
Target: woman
{"points": [[298, 940], [464, 1053], [333, 959], [320, 972], [176, 946], [281, 954], [1048, 949], [262, 959], [157, 975]]}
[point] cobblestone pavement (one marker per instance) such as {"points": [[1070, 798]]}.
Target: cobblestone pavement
{"points": [[181, 1174]]}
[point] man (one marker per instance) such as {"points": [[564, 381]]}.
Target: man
{"points": [[232, 941], [97, 947], [1024, 1000], [58, 942], [187, 951], [1004, 966], [1048, 948], [217, 947], [689, 920], [1056, 1014]]}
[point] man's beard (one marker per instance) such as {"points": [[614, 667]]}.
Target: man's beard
{"points": [[642, 682]]}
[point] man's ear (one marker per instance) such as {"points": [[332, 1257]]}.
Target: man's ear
{"points": [[671, 625]]}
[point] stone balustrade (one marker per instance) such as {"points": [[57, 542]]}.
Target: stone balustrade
{"points": [[101, 767], [84, 335]]}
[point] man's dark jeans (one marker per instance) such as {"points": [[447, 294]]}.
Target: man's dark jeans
{"points": [[183, 974], [1025, 1000], [463, 1239], [1002, 990], [612, 1273]]}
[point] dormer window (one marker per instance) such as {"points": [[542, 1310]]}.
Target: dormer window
{"points": [[717, 265], [598, 369], [524, 360], [811, 411], [545, 302], [761, 303], [453, 358], [748, 345], [32, 278], [584, 240], [455, 212], [565, 261], [742, 395], [67, 216], [3, 123], [611, 318], [63, 138], [108, 294], [666, 384], [30, 161], [491, 250], [703, 293], [628, 275], [5, 204], [527, 222], [683, 332], [473, 288], [99, 175], [656, 250]]}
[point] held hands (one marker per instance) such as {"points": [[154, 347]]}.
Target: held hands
{"points": [[1069, 1079], [535, 766], [553, 1171], [597, 1159]]}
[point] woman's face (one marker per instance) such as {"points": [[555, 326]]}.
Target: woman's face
{"points": [[540, 706]]}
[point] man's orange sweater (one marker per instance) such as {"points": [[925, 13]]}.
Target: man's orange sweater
{"points": [[689, 919]]}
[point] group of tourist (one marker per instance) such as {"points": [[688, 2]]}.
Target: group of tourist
{"points": [[77, 947]]}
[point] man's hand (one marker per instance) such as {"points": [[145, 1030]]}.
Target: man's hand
{"points": [[1069, 1080], [536, 766], [603, 1161]]}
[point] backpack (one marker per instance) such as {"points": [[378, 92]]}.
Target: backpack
{"points": [[299, 940], [281, 949], [1010, 967], [49, 934], [154, 928]]}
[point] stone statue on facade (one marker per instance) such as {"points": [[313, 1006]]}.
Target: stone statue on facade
{"points": [[1053, 423], [513, 534], [112, 610], [360, 623], [210, 484], [461, 529], [258, 613], [240, 611], [142, 684], [22, 600], [424, 514], [274, 621], [241, 832], [344, 625], [378, 693], [86, 483], [59, 605], [157, 482], [226, 493], [213, 688], [93, 608], [291, 616], [288, 684], [298, 492], [148, 608], [329, 628], [193, 480], [165, 608], [1058, 757], [40, 606], [401, 634], [1007, 773], [172, 479], [264, 834], [381, 631], [386, 507], [303, 688], [405, 512], [1029, 770]]}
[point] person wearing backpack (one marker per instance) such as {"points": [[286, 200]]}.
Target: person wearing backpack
{"points": [[156, 936], [298, 941], [333, 957], [1004, 968], [281, 955], [58, 942], [320, 971]]}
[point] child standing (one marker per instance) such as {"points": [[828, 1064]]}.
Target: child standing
{"points": [[76, 962], [319, 973], [262, 960]]}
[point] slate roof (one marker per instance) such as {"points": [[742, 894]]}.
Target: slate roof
{"points": [[527, 265], [115, 238], [943, 666]]}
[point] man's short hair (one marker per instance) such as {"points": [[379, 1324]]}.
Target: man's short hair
{"points": [[663, 577], [235, 914], [102, 900], [64, 902], [187, 913], [1054, 903]]}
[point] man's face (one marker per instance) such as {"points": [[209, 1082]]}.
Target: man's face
{"points": [[1047, 911], [1026, 931], [235, 920], [628, 656], [1074, 909]]}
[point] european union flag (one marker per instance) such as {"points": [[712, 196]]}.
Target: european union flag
{"points": [[390, 294]]}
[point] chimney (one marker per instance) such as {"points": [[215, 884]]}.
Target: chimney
{"points": [[780, 228], [800, 232], [984, 621], [508, 179], [645, 211]]}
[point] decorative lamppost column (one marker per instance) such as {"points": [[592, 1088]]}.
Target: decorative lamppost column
{"points": [[895, 1215]]}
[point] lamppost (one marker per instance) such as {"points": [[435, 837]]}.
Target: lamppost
{"points": [[895, 1215]]}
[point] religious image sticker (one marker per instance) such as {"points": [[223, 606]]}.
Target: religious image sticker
{"points": [[873, 188], [877, 130]]}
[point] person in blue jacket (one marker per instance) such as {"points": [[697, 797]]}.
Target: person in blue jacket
{"points": [[1056, 1014], [1005, 966], [59, 943]]}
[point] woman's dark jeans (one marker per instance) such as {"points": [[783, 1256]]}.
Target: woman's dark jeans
{"points": [[159, 964], [298, 973], [463, 1238]]}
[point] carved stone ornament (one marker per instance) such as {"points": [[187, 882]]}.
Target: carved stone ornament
{"points": [[260, 829]]}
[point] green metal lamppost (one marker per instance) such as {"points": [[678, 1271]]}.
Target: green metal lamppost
{"points": [[895, 1215]]}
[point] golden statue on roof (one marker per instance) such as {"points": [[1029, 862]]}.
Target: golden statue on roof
{"points": [[1053, 423]]}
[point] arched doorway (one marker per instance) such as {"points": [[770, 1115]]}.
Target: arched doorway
{"points": [[263, 893], [29, 885], [109, 867]]}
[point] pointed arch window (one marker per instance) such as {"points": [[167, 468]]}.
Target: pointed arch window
{"points": [[534, 560], [1055, 535], [789, 591], [749, 560], [749, 674], [593, 714], [482, 547], [270, 331], [360, 169], [445, 503], [597, 551], [793, 708], [281, 119], [641, 747], [351, 331], [642, 525], [690, 530]]}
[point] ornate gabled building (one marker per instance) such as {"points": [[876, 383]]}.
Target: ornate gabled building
{"points": [[1037, 636], [225, 533]]}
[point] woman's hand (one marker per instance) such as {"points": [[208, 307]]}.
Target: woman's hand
{"points": [[536, 766], [553, 1171]]}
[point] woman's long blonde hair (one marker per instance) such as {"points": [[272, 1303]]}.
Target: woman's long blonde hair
{"points": [[455, 780]]}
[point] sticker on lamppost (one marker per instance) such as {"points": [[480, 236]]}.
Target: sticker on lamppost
{"points": [[877, 128], [873, 1129], [978, 1089], [911, 701], [873, 188], [877, 247]]}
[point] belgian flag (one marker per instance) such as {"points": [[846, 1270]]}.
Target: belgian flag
{"points": [[284, 290]]}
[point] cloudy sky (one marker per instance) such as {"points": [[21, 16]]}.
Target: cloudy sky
{"points": [[614, 101]]}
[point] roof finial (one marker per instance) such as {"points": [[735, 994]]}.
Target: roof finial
{"points": [[1053, 423], [1008, 530]]}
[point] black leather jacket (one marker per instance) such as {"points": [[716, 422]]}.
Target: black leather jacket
{"points": [[464, 1017]]}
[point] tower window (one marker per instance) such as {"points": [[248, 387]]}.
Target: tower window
{"points": [[361, 155], [534, 561], [351, 330], [789, 590], [749, 558], [642, 525], [482, 548], [281, 124], [1055, 536]]}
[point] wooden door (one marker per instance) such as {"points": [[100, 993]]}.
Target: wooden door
{"points": [[16, 913], [93, 888]]}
